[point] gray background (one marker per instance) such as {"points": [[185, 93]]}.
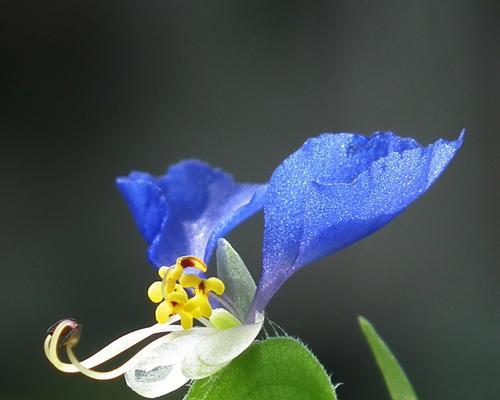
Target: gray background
{"points": [[93, 89]]}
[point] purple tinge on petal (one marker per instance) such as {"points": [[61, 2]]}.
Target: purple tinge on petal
{"points": [[187, 210], [337, 189]]}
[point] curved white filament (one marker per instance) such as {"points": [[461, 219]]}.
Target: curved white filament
{"points": [[108, 352]]}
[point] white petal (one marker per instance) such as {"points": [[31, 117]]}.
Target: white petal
{"points": [[158, 369], [217, 349]]}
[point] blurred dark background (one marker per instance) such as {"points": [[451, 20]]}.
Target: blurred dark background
{"points": [[93, 89]]}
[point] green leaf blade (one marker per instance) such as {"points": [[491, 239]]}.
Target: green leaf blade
{"points": [[276, 368], [395, 378]]}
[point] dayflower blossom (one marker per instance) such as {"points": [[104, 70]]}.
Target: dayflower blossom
{"points": [[335, 190]]}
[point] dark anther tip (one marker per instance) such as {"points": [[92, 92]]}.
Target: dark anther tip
{"points": [[53, 327], [187, 262], [72, 337]]}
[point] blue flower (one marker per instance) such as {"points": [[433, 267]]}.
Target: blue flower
{"points": [[337, 189], [185, 211]]}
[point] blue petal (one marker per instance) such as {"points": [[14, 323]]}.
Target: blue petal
{"points": [[146, 201], [187, 210], [337, 189]]}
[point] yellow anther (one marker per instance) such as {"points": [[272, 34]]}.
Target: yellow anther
{"points": [[205, 307], [193, 262], [175, 272], [214, 285], [167, 280], [171, 294], [154, 292], [199, 304], [169, 283], [186, 319], [163, 312], [203, 285], [180, 298], [192, 305], [173, 305], [202, 288], [162, 271], [190, 281], [179, 288], [196, 313]]}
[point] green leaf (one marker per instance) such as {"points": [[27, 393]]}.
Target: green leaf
{"points": [[395, 378], [277, 368], [240, 286]]}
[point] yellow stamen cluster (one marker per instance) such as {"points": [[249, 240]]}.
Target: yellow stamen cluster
{"points": [[173, 298]]}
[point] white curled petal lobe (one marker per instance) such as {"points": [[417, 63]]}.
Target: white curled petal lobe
{"points": [[158, 370], [217, 350]]}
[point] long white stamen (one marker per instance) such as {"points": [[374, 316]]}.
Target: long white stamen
{"points": [[101, 375], [126, 341], [118, 346], [205, 322]]}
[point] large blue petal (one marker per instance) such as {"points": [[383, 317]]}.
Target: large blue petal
{"points": [[187, 210], [337, 189]]}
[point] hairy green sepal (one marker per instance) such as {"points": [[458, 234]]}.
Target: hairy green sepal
{"points": [[274, 369], [240, 286]]}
